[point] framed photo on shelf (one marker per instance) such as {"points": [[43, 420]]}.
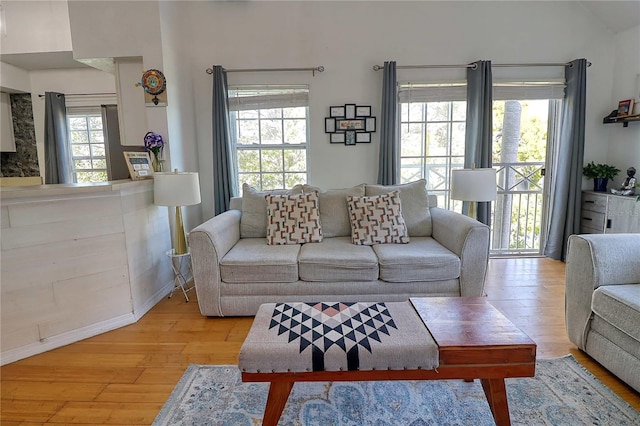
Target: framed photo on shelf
{"points": [[336, 111], [625, 107], [139, 164]]}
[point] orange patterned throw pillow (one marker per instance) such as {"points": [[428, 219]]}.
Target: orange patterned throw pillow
{"points": [[293, 219], [377, 219]]}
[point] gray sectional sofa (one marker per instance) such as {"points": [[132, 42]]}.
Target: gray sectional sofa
{"points": [[235, 270], [603, 301]]}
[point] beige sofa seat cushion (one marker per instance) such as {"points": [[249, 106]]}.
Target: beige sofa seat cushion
{"points": [[619, 305], [336, 259], [334, 215], [252, 260], [423, 259], [415, 205]]}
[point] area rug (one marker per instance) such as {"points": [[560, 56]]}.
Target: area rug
{"points": [[561, 393]]}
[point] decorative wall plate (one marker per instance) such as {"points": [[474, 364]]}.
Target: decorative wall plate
{"points": [[154, 83]]}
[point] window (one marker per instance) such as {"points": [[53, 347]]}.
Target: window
{"points": [[432, 133], [270, 128], [86, 138]]}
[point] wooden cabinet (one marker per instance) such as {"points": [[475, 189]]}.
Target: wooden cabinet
{"points": [[604, 213]]}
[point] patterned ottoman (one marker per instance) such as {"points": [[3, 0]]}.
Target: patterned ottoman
{"points": [[304, 337]]}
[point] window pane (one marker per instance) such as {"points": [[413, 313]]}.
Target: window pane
{"points": [[77, 123], [247, 131], [416, 112], [271, 113], [295, 160], [271, 132], [248, 160], [251, 179], [79, 137], [437, 138], [293, 179], [95, 123], [412, 137], [86, 177], [82, 164], [295, 131], [438, 111], [97, 137], [97, 150], [457, 138], [272, 181], [99, 164], [80, 150], [411, 169], [272, 161], [248, 114], [459, 112], [437, 174], [299, 112]]}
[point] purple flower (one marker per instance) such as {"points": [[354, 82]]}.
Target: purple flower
{"points": [[154, 143]]}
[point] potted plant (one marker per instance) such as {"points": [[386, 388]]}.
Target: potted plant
{"points": [[600, 173]]}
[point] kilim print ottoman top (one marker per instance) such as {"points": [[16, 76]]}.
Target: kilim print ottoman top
{"points": [[304, 337]]}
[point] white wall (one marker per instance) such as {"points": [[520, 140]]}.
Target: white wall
{"points": [[623, 143], [348, 38], [36, 26]]}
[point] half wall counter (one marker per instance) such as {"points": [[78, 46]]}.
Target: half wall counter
{"points": [[78, 260]]}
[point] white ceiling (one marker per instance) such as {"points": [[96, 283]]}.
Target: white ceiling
{"points": [[615, 15]]}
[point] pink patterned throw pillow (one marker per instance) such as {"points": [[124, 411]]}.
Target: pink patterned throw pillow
{"points": [[377, 219], [293, 219]]}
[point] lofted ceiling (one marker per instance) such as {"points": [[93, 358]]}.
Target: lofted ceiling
{"points": [[614, 15]]}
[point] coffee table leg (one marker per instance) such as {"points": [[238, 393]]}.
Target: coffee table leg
{"points": [[277, 399], [496, 393]]}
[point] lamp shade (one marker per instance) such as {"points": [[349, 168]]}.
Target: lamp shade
{"points": [[473, 184], [176, 188]]}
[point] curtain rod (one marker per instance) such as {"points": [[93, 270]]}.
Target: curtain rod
{"points": [[474, 66], [313, 70], [82, 94]]}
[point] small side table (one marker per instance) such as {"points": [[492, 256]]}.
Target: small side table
{"points": [[180, 277]]}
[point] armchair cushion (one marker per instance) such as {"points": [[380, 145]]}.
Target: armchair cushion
{"points": [[251, 260], [253, 223], [336, 259], [619, 305], [334, 214]]}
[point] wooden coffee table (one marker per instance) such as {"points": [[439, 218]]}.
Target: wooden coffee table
{"points": [[474, 341]]}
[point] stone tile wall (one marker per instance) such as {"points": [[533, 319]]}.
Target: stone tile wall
{"points": [[23, 162]]}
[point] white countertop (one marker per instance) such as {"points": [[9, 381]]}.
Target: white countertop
{"points": [[35, 191]]}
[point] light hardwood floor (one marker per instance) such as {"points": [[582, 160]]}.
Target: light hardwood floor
{"points": [[124, 376]]}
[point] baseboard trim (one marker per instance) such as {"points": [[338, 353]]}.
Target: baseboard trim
{"points": [[66, 338], [72, 336], [152, 301]]}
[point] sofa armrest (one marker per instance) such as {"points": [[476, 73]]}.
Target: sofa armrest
{"points": [[209, 242], [467, 238], [594, 261]]}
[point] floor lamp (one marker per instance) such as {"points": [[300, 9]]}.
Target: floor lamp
{"points": [[177, 189], [473, 185]]}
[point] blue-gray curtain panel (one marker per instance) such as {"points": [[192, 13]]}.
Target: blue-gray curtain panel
{"points": [[564, 216], [224, 175], [388, 156], [57, 155], [479, 127]]}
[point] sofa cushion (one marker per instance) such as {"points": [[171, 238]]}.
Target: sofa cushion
{"points": [[619, 305], [377, 219], [252, 260], [253, 223], [334, 214], [336, 259], [293, 219], [423, 259], [415, 205]]}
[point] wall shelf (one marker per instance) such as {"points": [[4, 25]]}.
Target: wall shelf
{"points": [[625, 120]]}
